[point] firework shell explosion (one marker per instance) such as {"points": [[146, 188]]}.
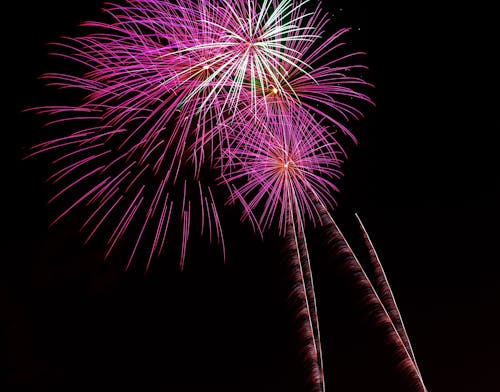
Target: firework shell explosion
{"points": [[180, 98], [164, 86]]}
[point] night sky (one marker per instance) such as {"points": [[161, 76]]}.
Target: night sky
{"points": [[424, 178]]}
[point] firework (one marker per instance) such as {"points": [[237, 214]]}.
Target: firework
{"points": [[162, 85], [274, 170], [174, 95], [379, 306]]}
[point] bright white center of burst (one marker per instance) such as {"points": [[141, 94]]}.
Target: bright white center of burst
{"points": [[205, 67], [275, 91], [286, 165]]}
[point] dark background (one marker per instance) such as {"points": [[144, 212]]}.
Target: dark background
{"points": [[424, 179]]}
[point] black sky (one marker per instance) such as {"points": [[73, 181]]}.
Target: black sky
{"points": [[424, 178]]}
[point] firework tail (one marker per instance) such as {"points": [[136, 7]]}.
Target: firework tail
{"points": [[371, 304], [302, 307], [385, 293], [311, 296]]}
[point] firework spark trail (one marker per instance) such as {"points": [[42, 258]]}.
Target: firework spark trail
{"points": [[303, 309], [385, 292], [369, 299], [311, 299]]}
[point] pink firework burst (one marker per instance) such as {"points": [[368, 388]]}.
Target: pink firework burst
{"points": [[279, 167], [162, 85]]}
